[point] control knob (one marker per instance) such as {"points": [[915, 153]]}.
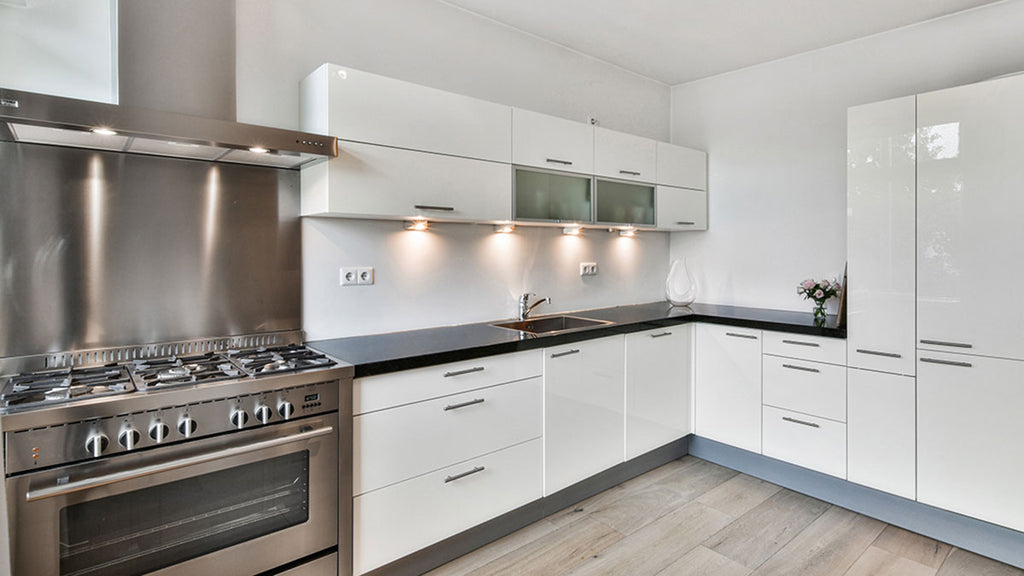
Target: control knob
{"points": [[286, 409], [128, 438], [96, 444], [187, 427], [263, 413], [239, 418], [158, 431]]}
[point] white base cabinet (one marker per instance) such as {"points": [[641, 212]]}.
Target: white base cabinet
{"points": [[584, 390], [882, 434], [659, 367], [805, 440], [970, 458], [728, 385]]}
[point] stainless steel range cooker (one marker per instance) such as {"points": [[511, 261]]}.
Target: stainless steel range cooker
{"points": [[200, 457]]}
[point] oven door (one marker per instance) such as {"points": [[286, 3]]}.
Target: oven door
{"points": [[236, 504]]}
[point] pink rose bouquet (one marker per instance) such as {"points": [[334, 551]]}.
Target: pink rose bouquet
{"points": [[820, 292]]}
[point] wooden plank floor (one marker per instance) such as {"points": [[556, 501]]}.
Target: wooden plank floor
{"points": [[693, 518]]}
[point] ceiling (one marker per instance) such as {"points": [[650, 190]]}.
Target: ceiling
{"points": [[676, 41]]}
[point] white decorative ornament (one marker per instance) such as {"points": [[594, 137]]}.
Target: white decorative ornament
{"points": [[680, 288]]}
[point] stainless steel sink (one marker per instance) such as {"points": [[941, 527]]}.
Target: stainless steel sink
{"points": [[551, 324]]}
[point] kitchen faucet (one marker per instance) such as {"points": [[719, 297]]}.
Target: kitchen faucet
{"points": [[525, 307]]}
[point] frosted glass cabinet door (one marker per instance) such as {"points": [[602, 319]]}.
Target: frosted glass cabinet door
{"points": [[880, 229], [659, 364], [970, 241], [624, 203], [542, 195], [728, 385]]}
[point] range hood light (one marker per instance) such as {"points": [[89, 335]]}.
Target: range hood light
{"points": [[104, 131], [417, 225], [258, 150]]}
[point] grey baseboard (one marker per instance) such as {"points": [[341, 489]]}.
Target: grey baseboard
{"points": [[451, 548], [961, 531]]}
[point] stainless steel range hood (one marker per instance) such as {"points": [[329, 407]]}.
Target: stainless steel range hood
{"points": [[44, 119]]}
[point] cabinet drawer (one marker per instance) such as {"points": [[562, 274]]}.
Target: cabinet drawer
{"points": [[817, 348], [807, 441], [399, 443], [389, 390], [395, 521], [807, 387]]}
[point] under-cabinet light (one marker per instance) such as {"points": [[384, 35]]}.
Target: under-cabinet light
{"points": [[572, 230], [504, 228], [628, 232], [417, 225], [258, 150], [104, 131]]}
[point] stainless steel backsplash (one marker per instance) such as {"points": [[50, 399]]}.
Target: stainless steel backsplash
{"points": [[104, 249]]}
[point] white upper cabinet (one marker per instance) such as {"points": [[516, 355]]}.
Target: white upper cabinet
{"points": [[970, 242], [659, 368], [624, 156], [880, 228], [363, 107], [681, 208], [682, 167], [550, 142]]}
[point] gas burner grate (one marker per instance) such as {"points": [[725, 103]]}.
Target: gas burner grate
{"points": [[275, 360], [35, 389], [158, 373]]}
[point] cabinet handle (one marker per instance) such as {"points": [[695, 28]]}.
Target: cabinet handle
{"points": [[877, 353], [629, 172], [952, 344], [463, 404], [560, 354], [435, 208], [463, 474], [735, 335], [685, 223], [557, 161], [466, 371], [804, 422], [660, 335], [801, 368], [799, 343], [947, 362]]}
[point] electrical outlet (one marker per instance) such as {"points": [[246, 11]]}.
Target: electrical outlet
{"points": [[588, 268], [349, 276], [365, 275]]}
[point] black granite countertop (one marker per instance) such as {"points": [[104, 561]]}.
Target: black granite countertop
{"points": [[382, 353]]}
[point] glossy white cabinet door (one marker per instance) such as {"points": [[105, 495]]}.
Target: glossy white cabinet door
{"points": [[970, 241], [369, 181], [881, 431], [584, 404], [624, 156], [805, 440], [551, 142], [682, 167], [659, 367], [970, 458], [363, 107], [681, 208], [728, 385], [880, 231]]}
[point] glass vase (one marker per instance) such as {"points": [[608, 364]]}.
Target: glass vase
{"points": [[680, 288], [819, 312]]}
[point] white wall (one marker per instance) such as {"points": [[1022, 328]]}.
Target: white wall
{"points": [[457, 273], [434, 44], [62, 47], [776, 141]]}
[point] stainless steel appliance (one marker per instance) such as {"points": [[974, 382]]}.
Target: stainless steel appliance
{"points": [[214, 459]]}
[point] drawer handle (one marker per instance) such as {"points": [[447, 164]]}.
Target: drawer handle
{"points": [[801, 368], [629, 172], [735, 335], [557, 161], [947, 362], [804, 422], [952, 344], [463, 404], [436, 208], [466, 371], [660, 335], [685, 223], [799, 343], [560, 354], [877, 353], [463, 474]]}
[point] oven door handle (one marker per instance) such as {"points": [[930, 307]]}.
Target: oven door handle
{"points": [[89, 483]]}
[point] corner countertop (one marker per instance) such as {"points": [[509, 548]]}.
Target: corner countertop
{"points": [[392, 352]]}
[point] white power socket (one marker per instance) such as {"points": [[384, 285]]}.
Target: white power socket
{"points": [[588, 268], [351, 276]]}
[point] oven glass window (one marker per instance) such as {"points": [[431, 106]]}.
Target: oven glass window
{"points": [[156, 527]]}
